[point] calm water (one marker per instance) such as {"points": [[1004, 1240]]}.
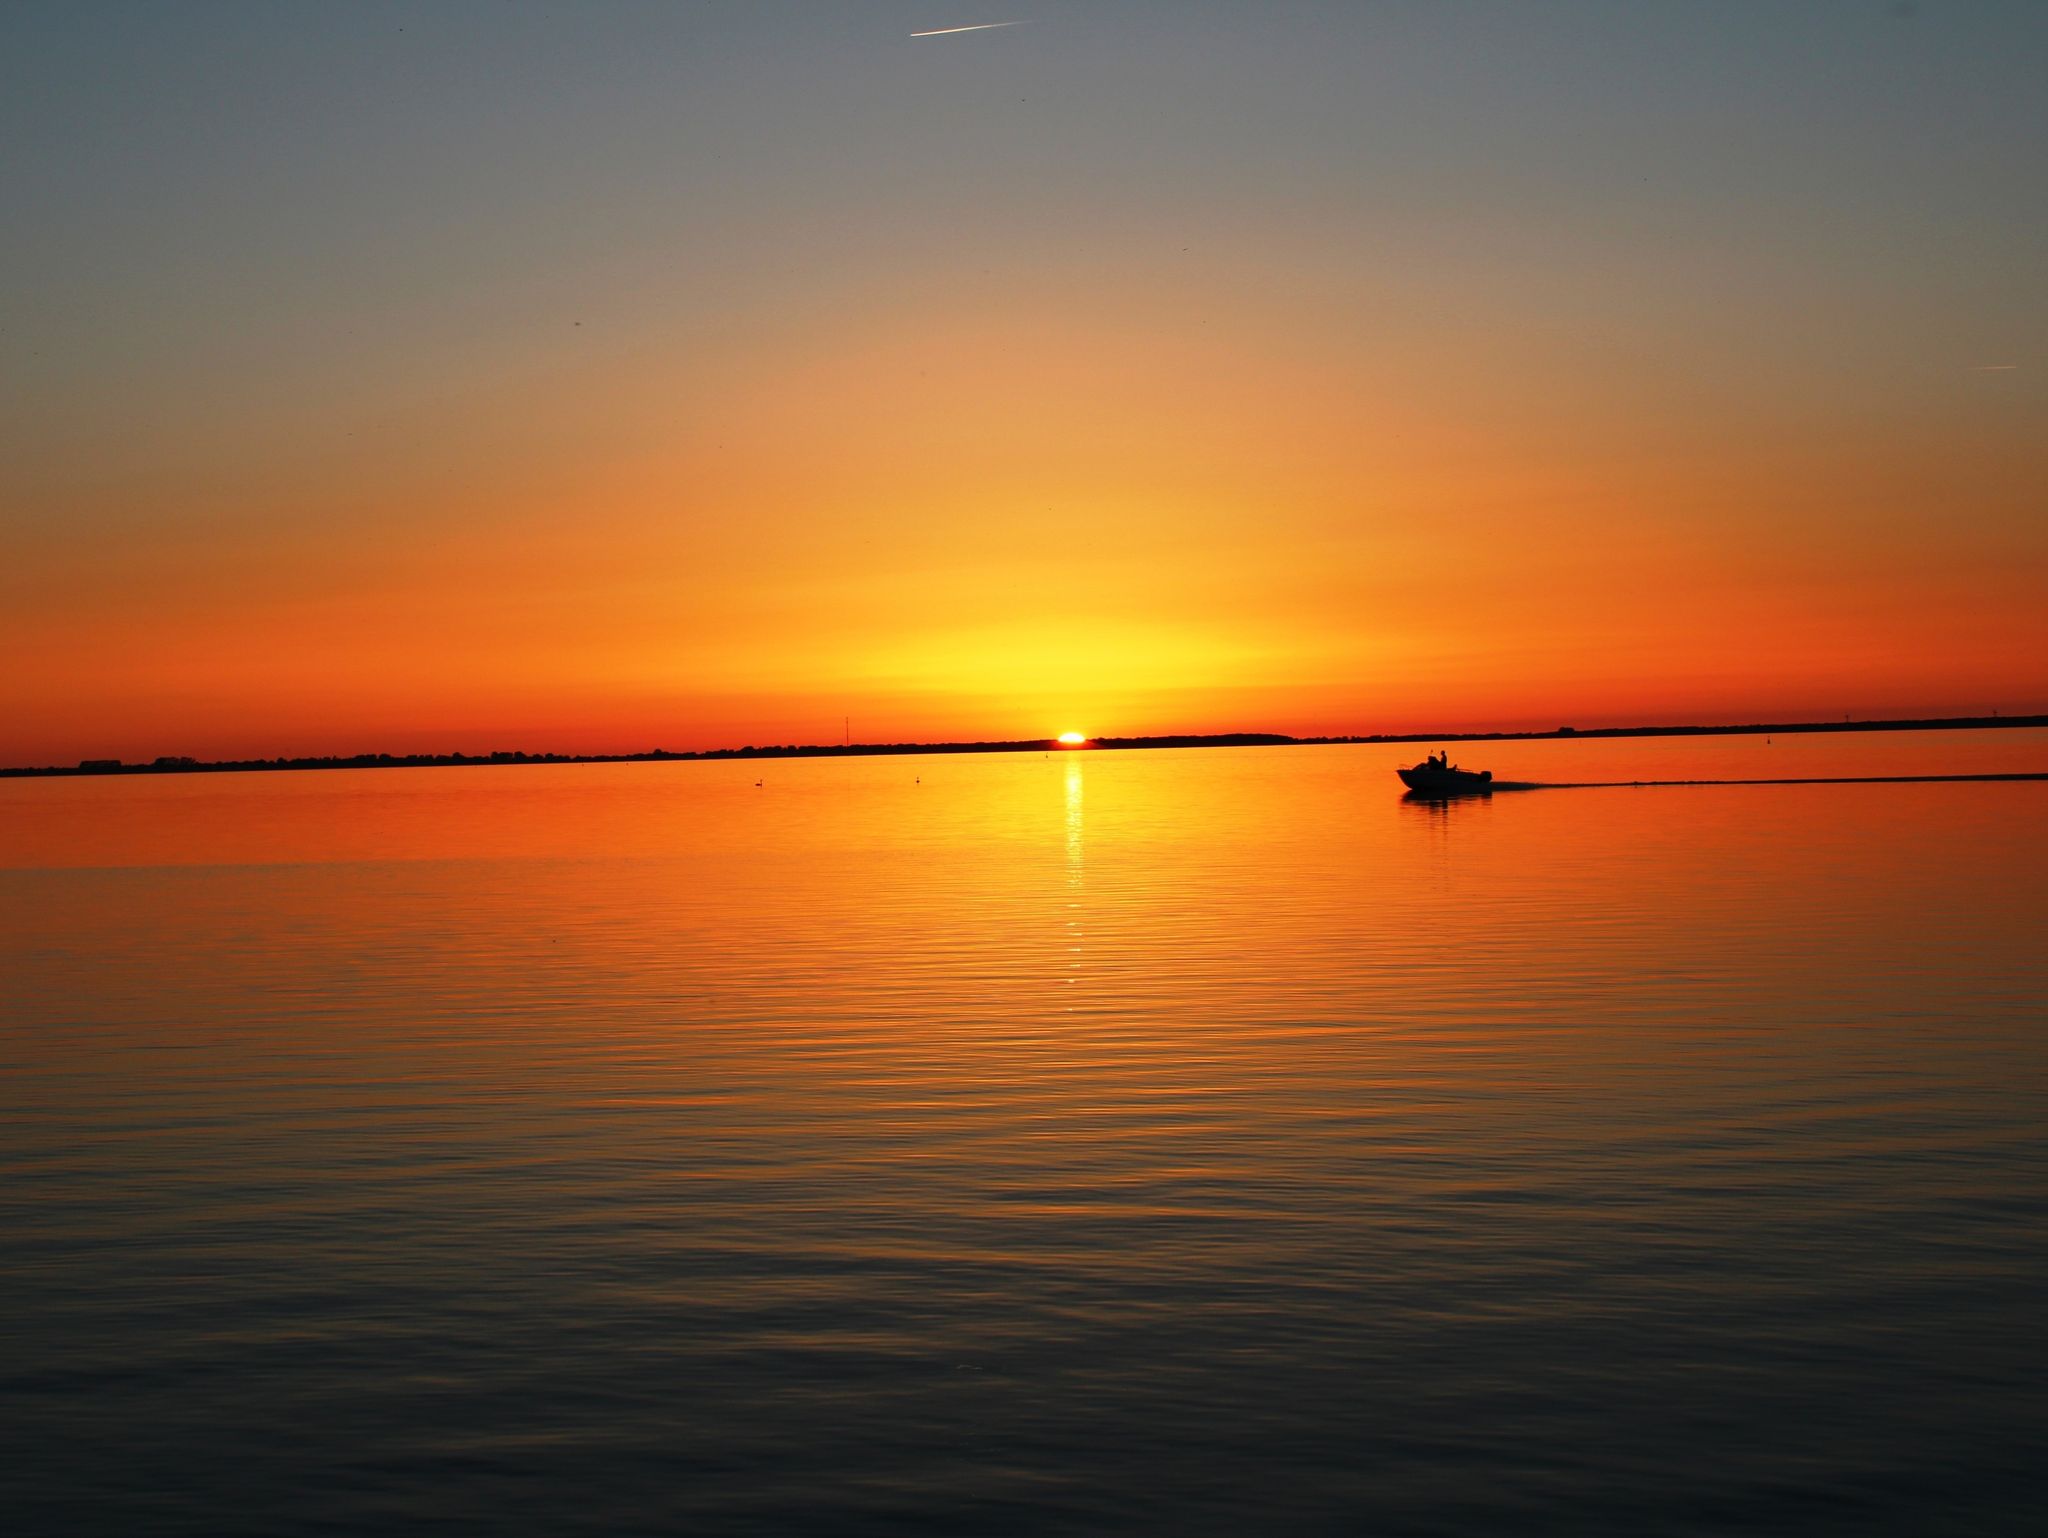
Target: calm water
{"points": [[1204, 1142]]}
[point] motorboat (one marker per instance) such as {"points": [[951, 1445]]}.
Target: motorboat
{"points": [[1436, 775]]}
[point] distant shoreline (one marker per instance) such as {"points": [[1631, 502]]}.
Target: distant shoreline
{"points": [[171, 765]]}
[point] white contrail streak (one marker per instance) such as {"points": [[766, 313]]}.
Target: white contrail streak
{"points": [[986, 26]]}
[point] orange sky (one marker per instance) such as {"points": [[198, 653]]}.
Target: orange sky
{"points": [[1579, 417]]}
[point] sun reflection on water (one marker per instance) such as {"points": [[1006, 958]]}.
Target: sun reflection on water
{"points": [[1076, 868]]}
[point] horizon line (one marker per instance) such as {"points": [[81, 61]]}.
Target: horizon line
{"points": [[180, 764]]}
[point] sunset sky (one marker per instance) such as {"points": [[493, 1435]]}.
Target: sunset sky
{"points": [[395, 377]]}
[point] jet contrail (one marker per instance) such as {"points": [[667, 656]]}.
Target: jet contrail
{"points": [[986, 26]]}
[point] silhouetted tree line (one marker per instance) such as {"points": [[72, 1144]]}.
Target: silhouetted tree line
{"points": [[169, 764]]}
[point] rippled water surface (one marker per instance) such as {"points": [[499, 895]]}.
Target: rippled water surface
{"points": [[1205, 1142]]}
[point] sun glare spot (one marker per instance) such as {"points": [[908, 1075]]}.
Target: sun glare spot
{"points": [[1072, 739]]}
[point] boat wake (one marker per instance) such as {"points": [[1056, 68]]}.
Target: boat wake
{"points": [[1838, 779]]}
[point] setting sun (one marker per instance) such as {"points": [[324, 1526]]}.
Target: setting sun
{"points": [[1072, 739]]}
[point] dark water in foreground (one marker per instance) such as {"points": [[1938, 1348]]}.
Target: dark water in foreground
{"points": [[1185, 1141]]}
